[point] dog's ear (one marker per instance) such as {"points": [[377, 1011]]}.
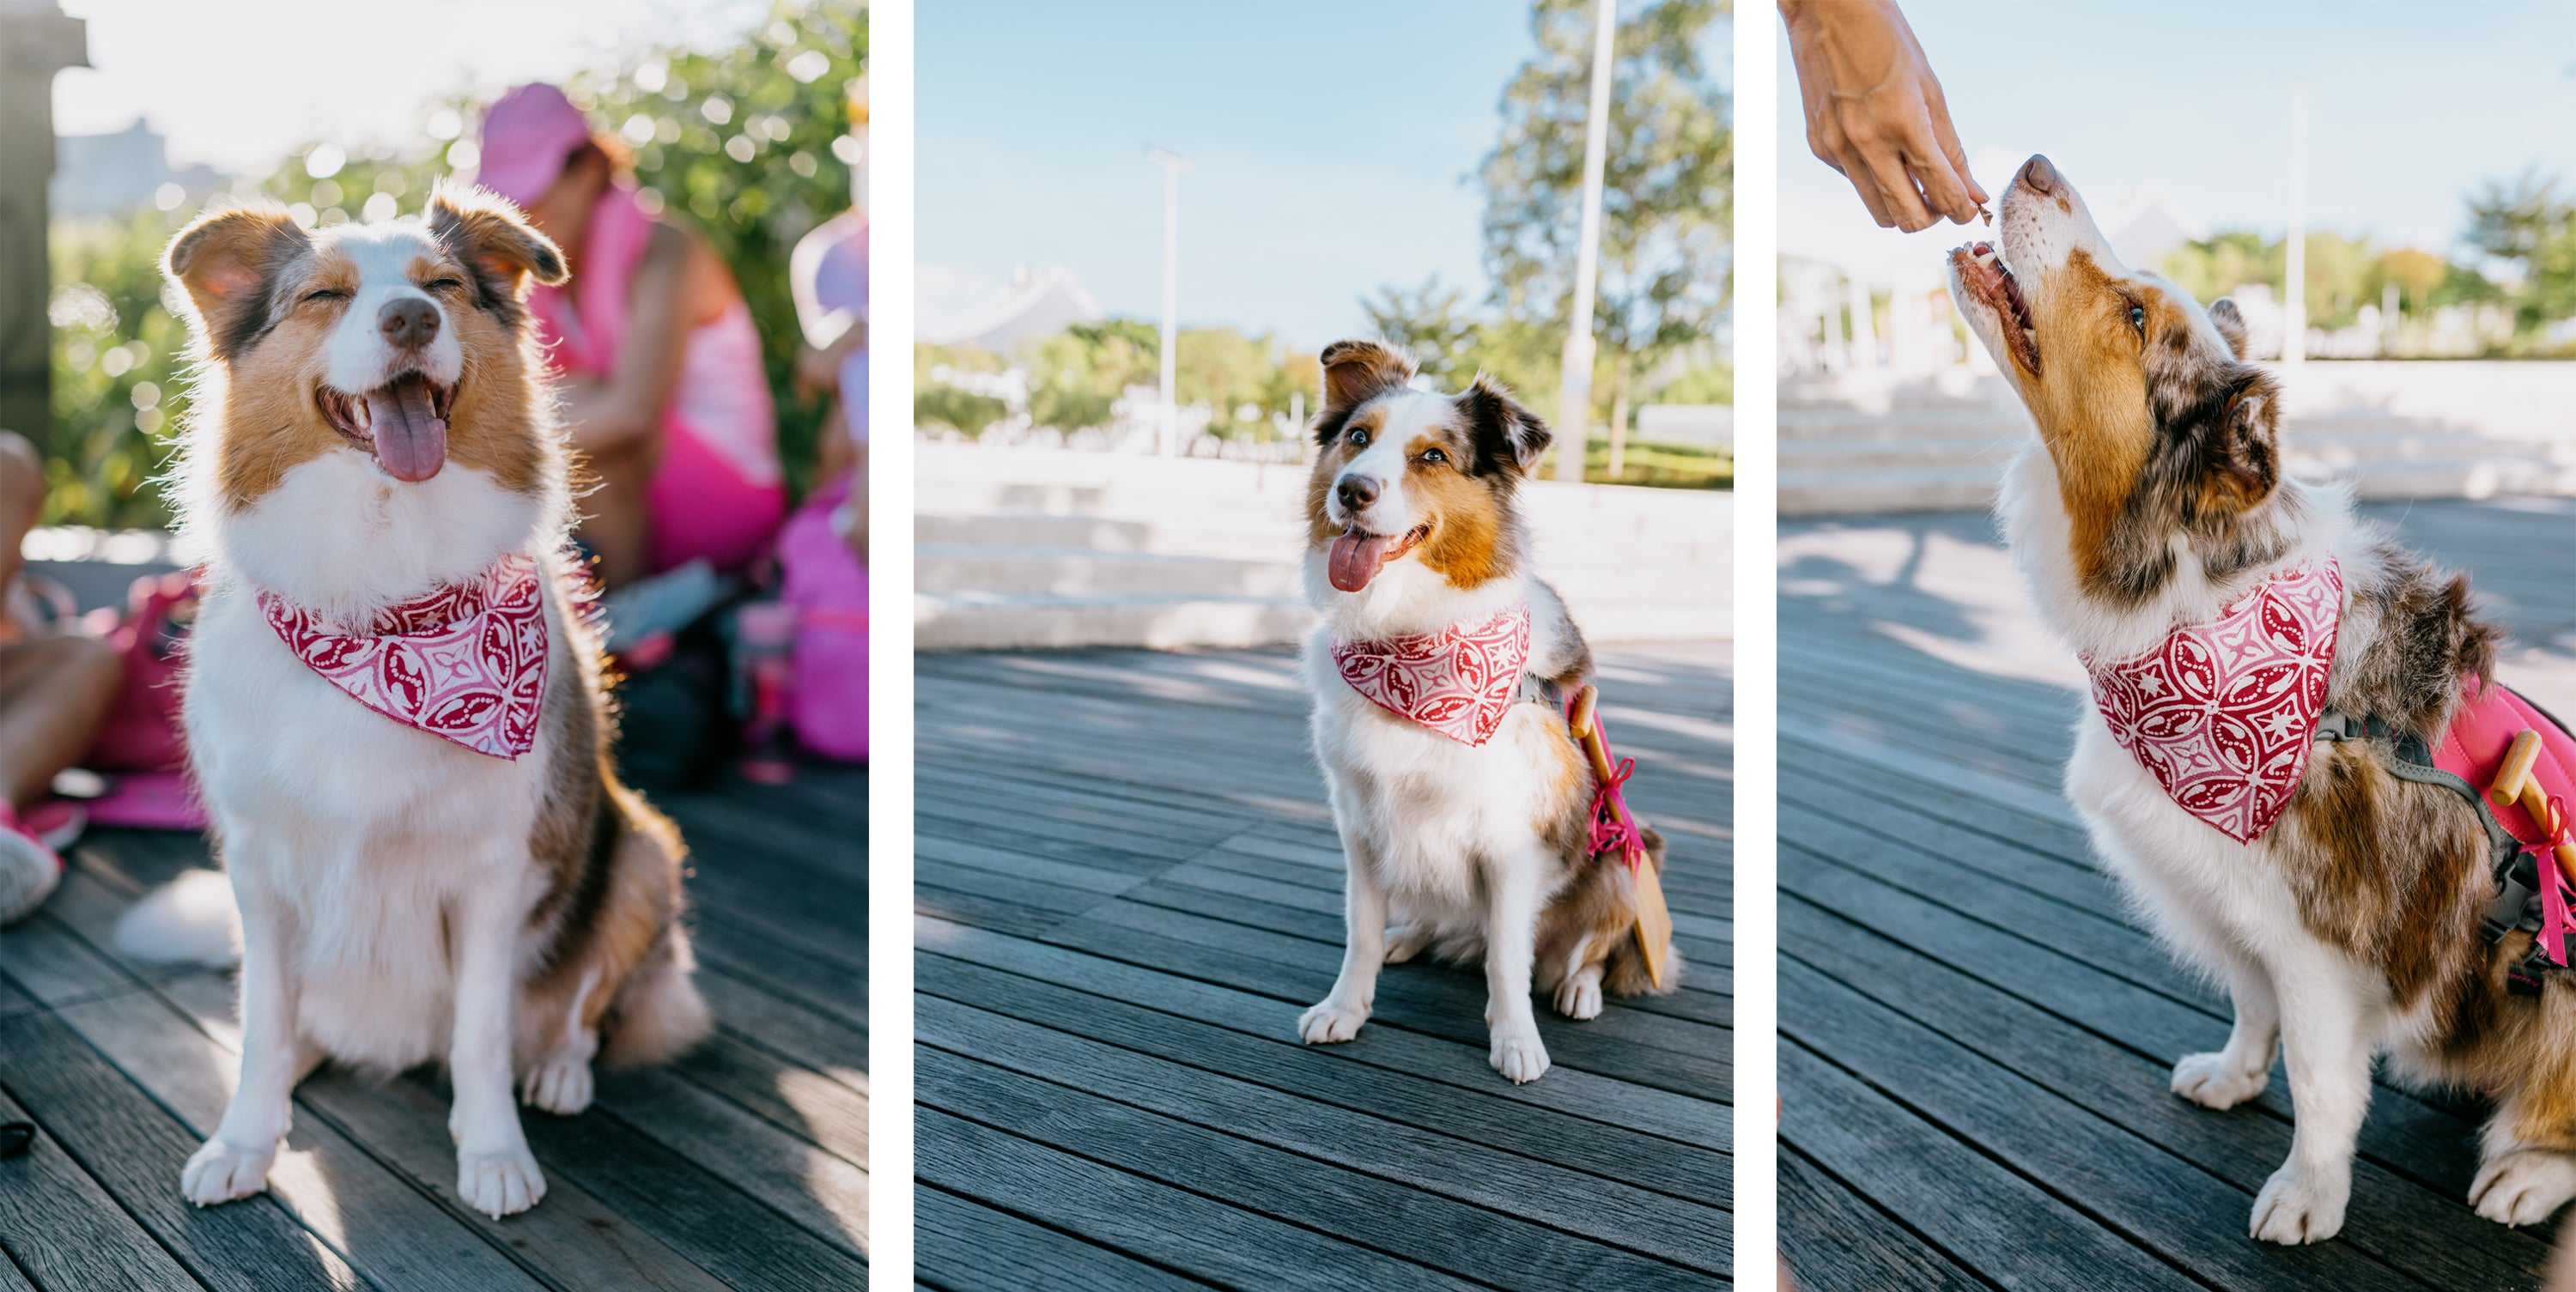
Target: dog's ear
{"points": [[228, 262], [2230, 322], [490, 235], [2240, 448], [1358, 371], [1507, 436]]}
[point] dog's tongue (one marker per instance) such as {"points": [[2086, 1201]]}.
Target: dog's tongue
{"points": [[411, 440], [1355, 559]]}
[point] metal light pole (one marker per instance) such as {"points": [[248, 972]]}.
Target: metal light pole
{"points": [[1167, 437], [2294, 292], [36, 41], [1574, 405]]}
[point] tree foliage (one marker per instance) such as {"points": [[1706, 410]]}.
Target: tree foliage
{"points": [[2529, 223]]}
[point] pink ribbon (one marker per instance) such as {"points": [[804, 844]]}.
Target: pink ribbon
{"points": [[1613, 829], [2555, 921]]}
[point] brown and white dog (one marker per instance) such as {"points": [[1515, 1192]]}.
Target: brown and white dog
{"points": [[1469, 848], [373, 427], [2153, 498]]}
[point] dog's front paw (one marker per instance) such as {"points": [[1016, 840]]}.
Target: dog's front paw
{"points": [[560, 1086], [1579, 997], [499, 1182], [221, 1172], [1520, 1056], [2300, 1206], [1331, 1022], [2209, 1081], [2524, 1188]]}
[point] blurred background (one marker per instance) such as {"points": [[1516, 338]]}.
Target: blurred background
{"points": [[2424, 147], [1092, 182]]}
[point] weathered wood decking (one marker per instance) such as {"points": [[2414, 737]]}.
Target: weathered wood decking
{"points": [[1975, 1040], [742, 1166], [1129, 887]]}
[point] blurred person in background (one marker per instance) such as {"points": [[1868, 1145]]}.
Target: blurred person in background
{"points": [[663, 390], [828, 273], [56, 687]]}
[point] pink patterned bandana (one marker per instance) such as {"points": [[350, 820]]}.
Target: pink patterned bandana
{"points": [[465, 663], [2222, 713], [1458, 681]]}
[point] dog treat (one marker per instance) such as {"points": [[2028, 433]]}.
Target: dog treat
{"points": [[1985, 215]]}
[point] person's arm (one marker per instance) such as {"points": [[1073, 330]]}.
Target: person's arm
{"points": [[627, 408], [1875, 112]]}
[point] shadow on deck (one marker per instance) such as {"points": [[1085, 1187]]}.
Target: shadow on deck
{"points": [[741, 1166], [1975, 1038], [1129, 886]]}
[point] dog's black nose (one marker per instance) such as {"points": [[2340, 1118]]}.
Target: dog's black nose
{"points": [[409, 323], [1356, 492], [2038, 175]]}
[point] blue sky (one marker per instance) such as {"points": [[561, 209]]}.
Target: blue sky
{"points": [[1332, 143], [2410, 106]]}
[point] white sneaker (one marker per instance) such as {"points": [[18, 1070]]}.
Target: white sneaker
{"points": [[29, 871]]}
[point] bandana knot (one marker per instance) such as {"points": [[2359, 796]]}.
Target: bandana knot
{"points": [[2222, 712], [1457, 681], [465, 662]]}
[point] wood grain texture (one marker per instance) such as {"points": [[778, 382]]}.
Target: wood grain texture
{"points": [[1128, 886], [741, 1166], [1976, 1036]]}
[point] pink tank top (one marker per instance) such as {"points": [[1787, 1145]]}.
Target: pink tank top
{"points": [[717, 494]]}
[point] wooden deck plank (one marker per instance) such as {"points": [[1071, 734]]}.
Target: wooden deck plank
{"points": [[1977, 1035], [741, 1166], [1129, 887]]}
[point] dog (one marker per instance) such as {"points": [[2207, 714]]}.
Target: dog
{"points": [[1463, 802], [394, 706], [2339, 898]]}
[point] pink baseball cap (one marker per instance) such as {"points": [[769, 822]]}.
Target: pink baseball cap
{"points": [[527, 137]]}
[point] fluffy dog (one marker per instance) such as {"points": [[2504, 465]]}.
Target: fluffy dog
{"points": [[1463, 801], [2153, 500], [394, 706]]}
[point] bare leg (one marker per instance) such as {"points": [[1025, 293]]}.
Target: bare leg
{"points": [[22, 502], [1339, 1015], [54, 693], [2239, 1072], [617, 522], [495, 1172], [234, 1164], [2327, 1039], [1512, 900]]}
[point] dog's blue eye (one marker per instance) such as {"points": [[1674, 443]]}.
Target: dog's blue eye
{"points": [[442, 284], [2138, 317], [1359, 437], [1434, 455]]}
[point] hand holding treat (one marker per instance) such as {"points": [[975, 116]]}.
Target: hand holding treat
{"points": [[1875, 112]]}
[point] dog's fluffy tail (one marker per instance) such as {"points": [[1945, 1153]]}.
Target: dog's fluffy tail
{"points": [[658, 1014], [190, 920]]}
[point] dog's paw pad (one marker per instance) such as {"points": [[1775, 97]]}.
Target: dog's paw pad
{"points": [[1523, 1059], [559, 1086], [1331, 1022], [2524, 1188], [502, 1182], [2208, 1080], [2298, 1207], [1579, 998], [221, 1172]]}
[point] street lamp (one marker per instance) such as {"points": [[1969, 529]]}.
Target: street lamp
{"points": [[1167, 437], [1574, 405]]}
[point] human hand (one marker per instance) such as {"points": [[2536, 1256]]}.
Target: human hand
{"points": [[1875, 112]]}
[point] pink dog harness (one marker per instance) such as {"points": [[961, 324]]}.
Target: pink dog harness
{"points": [[1458, 681], [2222, 713], [465, 663]]}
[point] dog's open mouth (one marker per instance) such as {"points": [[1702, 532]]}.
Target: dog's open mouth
{"points": [[403, 422], [1982, 269], [1357, 555]]}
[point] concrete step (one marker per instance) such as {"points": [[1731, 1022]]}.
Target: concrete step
{"points": [[1255, 539], [1083, 571], [1828, 492], [964, 620], [1825, 491]]}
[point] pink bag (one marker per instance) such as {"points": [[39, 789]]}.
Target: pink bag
{"points": [[829, 589], [141, 733]]}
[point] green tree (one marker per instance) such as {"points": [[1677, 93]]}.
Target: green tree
{"points": [[117, 356], [1434, 324], [1667, 193], [937, 402], [2526, 222], [1078, 375]]}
